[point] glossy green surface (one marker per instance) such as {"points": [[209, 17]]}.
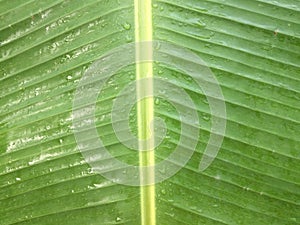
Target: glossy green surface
{"points": [[252, 47]]}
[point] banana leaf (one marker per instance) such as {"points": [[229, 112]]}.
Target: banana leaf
{"points": [[252, 48]]}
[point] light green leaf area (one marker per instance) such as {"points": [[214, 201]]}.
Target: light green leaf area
{"points": [[253, 49]]}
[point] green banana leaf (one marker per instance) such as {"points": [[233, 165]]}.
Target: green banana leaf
{"points": [[251, 46]]}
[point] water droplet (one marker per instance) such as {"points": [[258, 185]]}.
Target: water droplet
{"points": [[118, 219], [170, 214], [202, 9], [37, 91], [61, 122], [217, 177], [157, 46], [129, 39], [162, 92], [157, 101], [206, 117], [102, 117], [200, 23], [69, 77], [162, 171], [60, 141], [127, 26], [163, 191], [18, 179], [207, 46]]}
